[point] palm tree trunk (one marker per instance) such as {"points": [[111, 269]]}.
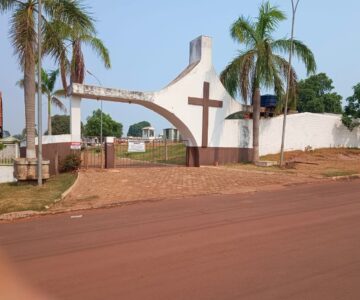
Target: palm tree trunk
{"points": [[256, 124], [63, 71], [49, 116], [29, 96], [77, 64]]}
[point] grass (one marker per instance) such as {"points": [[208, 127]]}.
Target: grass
{"points": [[155, 153], [26, 196], [336, 173]]}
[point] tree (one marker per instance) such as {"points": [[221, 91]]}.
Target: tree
{"points": [[315, 94], [351, 115], [48, 80], [110, 127], [22, 136], [136, 129], [24, 39], [258, 66], [60, 124], [74, 36]]}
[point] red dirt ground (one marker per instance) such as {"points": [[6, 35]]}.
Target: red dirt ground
{"points": [[301, 242]]}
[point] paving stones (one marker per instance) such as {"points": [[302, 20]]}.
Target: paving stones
{"points": [[98, 188]]}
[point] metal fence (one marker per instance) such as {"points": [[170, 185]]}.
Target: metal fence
{"points": [[146, 153]]}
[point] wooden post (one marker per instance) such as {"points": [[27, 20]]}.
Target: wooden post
{"points": [[56, 163], [153, 152], [166, 150]]}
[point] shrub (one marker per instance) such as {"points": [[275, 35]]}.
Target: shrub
{"points": [[2, 146], [72, 162]]}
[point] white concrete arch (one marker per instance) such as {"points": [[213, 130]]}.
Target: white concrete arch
{"points": [[172, 101]]}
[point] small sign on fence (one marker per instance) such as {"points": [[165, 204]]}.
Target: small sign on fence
{"points": [[136, 147], [75, 146]]}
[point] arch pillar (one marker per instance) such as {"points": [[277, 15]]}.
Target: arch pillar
{"points": [[75, 118]]}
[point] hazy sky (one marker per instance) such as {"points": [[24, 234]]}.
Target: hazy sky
{"points": [[149, 45]]}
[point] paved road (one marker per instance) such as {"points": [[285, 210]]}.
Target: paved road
{"points": [[299, 243]]}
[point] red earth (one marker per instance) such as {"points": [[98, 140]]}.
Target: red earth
{"points": [[301, 242]]}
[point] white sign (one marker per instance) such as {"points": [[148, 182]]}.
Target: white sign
{"points": [[136, 147], [75, 146]]}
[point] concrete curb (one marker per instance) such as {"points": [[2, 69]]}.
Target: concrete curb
{"points": [[68, 191], [346, 177]]}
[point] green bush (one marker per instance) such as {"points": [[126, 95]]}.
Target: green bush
{"points": [[72, 162]]}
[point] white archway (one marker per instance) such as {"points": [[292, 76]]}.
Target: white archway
{"points": [[195, 102]]}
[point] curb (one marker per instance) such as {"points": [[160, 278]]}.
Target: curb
{"points": [[68, 191], [346, 177]]}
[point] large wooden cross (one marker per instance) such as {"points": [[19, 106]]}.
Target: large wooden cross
{"points": [[205, 102]]}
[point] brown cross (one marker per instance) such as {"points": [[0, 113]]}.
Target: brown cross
{"points": [[205, 102]]}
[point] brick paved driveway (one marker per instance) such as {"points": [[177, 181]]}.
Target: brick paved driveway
{"points": [[96, 188]]}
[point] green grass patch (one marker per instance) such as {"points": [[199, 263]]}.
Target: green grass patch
{"points": [[336, 172], [26, 196], [176, 153]]}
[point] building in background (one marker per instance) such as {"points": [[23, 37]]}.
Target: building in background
{"points": [[171, 134], [148, 133]]}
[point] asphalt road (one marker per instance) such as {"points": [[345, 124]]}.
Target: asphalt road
{"points": [[302, 242]]}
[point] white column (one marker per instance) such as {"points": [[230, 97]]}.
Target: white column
{"points": [[201, 50], [75, 119]]}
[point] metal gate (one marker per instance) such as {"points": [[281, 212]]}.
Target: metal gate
{"points": [[92, 153], [147, 153]]}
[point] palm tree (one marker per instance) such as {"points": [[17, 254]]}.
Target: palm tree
{"points": [[47, 86], [67, 41], [24, 39], [48, 80], [261, 65]]}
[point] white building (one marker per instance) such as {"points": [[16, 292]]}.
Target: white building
{"points": [[148, 133], [171, 134]]}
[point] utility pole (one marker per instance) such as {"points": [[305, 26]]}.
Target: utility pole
{"points": [[39, 96], [294, 5]]}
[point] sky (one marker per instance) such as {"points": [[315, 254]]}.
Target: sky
{"points": [[149, 40]]}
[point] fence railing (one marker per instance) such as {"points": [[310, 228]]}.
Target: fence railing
{"points": [[6, 161]]}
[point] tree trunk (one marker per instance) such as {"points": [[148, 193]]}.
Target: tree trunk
{"points": [[63, 71], [29, 96], [49, 116], [77, 64], [256, 124]]}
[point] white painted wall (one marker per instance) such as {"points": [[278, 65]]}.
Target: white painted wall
{"points": [[7, 174], [315, 130], [305, 129], [51, 139]]}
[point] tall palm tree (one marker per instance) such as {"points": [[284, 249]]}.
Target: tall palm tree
{"points": [[48, 80], [64, 44], [261, 65], [24, 39]]}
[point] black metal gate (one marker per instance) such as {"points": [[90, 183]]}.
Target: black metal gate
{"points": [[147, 153]]}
